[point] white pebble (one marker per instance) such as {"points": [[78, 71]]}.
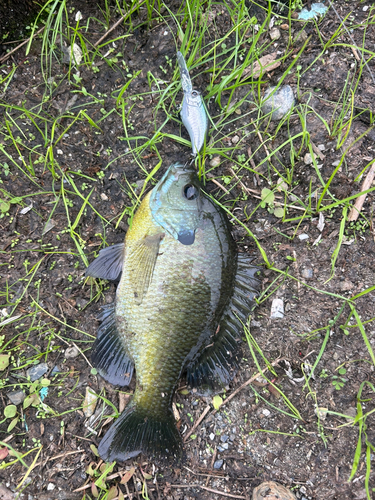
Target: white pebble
{"points": [[277, 309]]}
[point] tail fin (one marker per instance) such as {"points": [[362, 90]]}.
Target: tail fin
{"points": [[136, 432]]}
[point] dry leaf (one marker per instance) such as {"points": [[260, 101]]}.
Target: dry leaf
{"points": [[264, 64]]}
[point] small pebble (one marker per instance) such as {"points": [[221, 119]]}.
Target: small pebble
{"points": [[335, 163], [232, 437], [277, 309], [212, 436], [307, 159], [307, 273], [51, 486], [16, 397], [321, 412], [280, 103], [266, 412], [275, 34], [223, 447], [218, 464], [224, 438], [55, 370], [71, 352], [103, 196], [350, 413], [235, 139], [321, 147], [346, 286], [300, 37], [303, 236], [215, 162], [37, 371]]}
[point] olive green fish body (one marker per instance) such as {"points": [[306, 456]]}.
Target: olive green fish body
{"points": [[182, 305], [180, 301]]}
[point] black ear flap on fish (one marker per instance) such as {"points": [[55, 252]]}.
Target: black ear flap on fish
{"points": [[216, 365], [108, 264], [136, 431], [108, 354]]}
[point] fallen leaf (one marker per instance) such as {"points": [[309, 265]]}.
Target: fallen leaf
{"points": [[265, 63]]}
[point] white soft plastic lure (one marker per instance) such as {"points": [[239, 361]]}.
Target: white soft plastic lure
{"points": [[193, 112]]}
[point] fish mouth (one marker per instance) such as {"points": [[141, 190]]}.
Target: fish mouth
{"points": [[183, 168]]}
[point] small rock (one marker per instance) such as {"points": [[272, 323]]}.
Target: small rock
{"points": [[218, 464], [308, 159], [321, 147], [74, 56], [284, 27], [71, 352], [215, 162], [37, 371], [277, 309], [224, 438], [300, 38], [303, 236], [16, 397], [266, 412], [223, 447], [307, 273], [275, 34], [350, 413], [232, 437], [90, 401], [335, 163], [55, 370], [269, 490], [103, 196], [345, 286], [255, 323], [235, 139], [321, 413], [51, 486], [212, 436], [280, 103]]}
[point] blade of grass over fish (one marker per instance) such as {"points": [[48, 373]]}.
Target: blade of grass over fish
{"points": [[260, 248]]}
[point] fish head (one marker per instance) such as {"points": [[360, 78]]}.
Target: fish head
{"points": [[176, 203], [193, 98]]}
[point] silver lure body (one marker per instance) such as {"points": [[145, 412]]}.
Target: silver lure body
{"points": [[193, 112]]}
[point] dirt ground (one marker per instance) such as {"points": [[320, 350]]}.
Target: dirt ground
{"points": [[249, 440]]}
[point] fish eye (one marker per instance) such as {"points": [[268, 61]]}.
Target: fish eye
{"points": [[190, 192], [195, 93]]}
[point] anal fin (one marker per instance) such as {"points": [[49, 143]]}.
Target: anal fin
{"points": [[108, 264], [109, 354], [218, 362]]}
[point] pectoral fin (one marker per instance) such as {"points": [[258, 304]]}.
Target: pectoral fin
{"points": [[143, 258], [108, 264]]}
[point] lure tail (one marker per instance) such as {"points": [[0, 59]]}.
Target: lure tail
{"points": [[137, 432]]}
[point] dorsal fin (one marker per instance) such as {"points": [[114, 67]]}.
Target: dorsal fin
{"points": [[217, 363]]}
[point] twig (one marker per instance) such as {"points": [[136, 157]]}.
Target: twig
{"points": [[8, 54], [210, 176], [354, 212], [217, 492], [205, 411], [248, 382], [260, 138], [117, 23], [317, 150]]}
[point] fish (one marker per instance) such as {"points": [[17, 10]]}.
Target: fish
{"points": [[183, 296], [193, 112]]}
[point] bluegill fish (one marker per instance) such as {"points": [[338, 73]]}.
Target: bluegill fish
{"points": [[183, 293], [193, 112]]}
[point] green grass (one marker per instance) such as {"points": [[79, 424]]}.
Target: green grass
{"points": [[32, 133]]}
